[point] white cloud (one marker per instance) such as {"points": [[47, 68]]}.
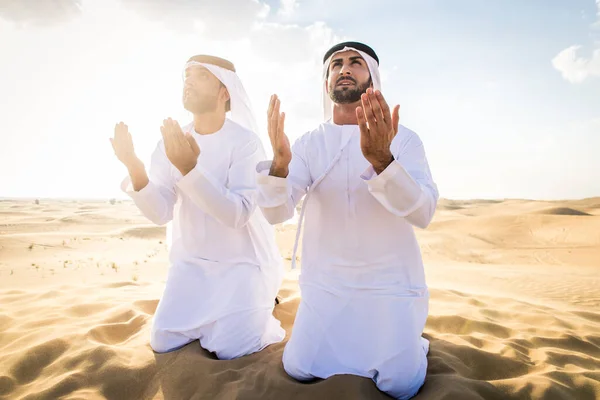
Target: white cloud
{"points": [[216, 20], [39, 12], [292, 44], [287, 7], [223, 19], [577, 69]]}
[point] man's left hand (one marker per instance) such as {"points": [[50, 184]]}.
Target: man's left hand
{"points": [[378, 127], [182, 149]]}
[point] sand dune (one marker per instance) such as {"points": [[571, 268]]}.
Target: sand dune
{"points": [[514, 310]]}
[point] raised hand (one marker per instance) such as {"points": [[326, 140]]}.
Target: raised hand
{"points": [[282, 153], [122, 145], [182, 149], [378, 127]]}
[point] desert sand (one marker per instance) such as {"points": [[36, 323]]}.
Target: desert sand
{"points": [[514, 310]]}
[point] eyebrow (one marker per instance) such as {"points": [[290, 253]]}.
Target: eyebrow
{"points": [[353, 58]]}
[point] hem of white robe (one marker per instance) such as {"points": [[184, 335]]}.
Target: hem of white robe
{"points": [[274, 333], [420, 377]]}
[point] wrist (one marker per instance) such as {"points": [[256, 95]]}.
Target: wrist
{"points": [[187, 169], [135, 164], [382, 163], [279, 169]]}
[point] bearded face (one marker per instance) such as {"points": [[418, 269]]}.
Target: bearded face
{"points": [[346, 90], [348, 77]]}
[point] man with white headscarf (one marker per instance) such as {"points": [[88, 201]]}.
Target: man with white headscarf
{"points": [[225, 268], [367, 184]]}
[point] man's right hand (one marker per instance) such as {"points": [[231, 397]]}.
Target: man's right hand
{"points": [[123, 145], [282, 153]]}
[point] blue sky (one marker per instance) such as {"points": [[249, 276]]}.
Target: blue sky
{"points": [[505, 105]]}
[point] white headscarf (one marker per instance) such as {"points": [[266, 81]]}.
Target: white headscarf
{"points": [[373, 69], [241, 108]]}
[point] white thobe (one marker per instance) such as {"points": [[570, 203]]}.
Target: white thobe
{"points": [[225, 267], [364, 297]]}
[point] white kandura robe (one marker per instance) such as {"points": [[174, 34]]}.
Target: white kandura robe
{"points": [[364, 297], [225, 267]]}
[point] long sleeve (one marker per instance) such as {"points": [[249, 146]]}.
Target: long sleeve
{"points": [[157, 199], [231, 204], [406, 188], [278, 197]]}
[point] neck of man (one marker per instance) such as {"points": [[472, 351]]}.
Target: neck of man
{"points": [[209, 122], [345, 114]]}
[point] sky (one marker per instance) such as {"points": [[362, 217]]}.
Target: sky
{"points": [[504, 94]]}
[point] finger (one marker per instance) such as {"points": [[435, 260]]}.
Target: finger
{"points": [[176, 127], [163, 133], [274, 133], [178, 132], [176, 138], [367, 111], [385, 109], [280, 130], [375, 106], [166, 141], [276, 107], [362, 121], [118, 130], [396, 118], [281, 124], [269, 124], [169, 133], [271, 105], [122, 129], [193, 144]]}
